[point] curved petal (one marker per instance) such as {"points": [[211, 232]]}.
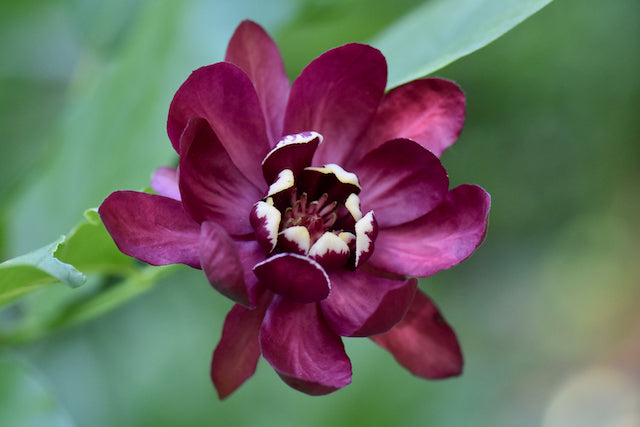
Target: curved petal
{"points": [[236, 355], [212, 187], [223, 95], [429, 111], [164, 181], [306, 354], [251, 49], [250, 253], [401, 181], [362, 304], [441, 239], [293, 152], [154, 229], [423, 342], [337, 95], [294, 276], [221, 263]]}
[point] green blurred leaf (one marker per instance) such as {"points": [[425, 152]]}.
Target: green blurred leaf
{"points": [[91, 249], [441, 31], [88, 248], [29, 272], [24, 401]]}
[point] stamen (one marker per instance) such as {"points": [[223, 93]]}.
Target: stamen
{"points": [[328, 209]]}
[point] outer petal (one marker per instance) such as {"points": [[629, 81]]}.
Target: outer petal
{"points": [[295, 277], [429, 111], [154, 229], [337, 95], [441, 239], [423, 342], [236, 356], [164, 181], [251, 49], [402, 181], [302, 349], [221, 263], [362, 304], [223, 95], [212, 187]]}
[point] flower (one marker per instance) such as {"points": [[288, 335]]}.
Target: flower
{"points": [[314, 206]]}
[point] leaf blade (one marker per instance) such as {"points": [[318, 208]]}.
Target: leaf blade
{"points": [[447, 30]]}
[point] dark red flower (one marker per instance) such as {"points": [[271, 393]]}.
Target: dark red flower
{"points": [[313, 206]]}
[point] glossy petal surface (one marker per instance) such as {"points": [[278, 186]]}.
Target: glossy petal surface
{"points": [[154, 229], [362, 304], [255, 52], [423, 342], [302, 349], [212, 187], [428, 111], [441, 239], [223, 95], [337, 95], [402, 181]]}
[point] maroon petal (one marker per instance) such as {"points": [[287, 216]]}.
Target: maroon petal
{"points": [[250, 253], [337, 95], [293, 152], [237, 354], [295, 277], [251, 49], [362, 304], [223, 95], [154, 229], [331, 180], [423, 342], [429, 111], [441, 239], [402, 181], [164, 181], [212, 187], [330, 251], [302, 349], [221, 263]]}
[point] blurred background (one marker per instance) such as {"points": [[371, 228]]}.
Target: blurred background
{"points": [[546, 309]]}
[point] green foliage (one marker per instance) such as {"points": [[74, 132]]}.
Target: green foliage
{"points": [[29, 272], [441, 31], [24, 400]]}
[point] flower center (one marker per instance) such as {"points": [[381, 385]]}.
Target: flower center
{"points": [[312, 211], [317, 216]]}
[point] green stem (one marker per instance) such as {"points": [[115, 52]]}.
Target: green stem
{"points": [[96, 305]]}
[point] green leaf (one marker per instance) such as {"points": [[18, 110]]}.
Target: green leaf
{"points": [[29, 272], [91, 249], [87, 249], [441, 31]]}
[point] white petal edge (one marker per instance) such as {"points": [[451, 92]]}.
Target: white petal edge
{"points": [[364, 227]]}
